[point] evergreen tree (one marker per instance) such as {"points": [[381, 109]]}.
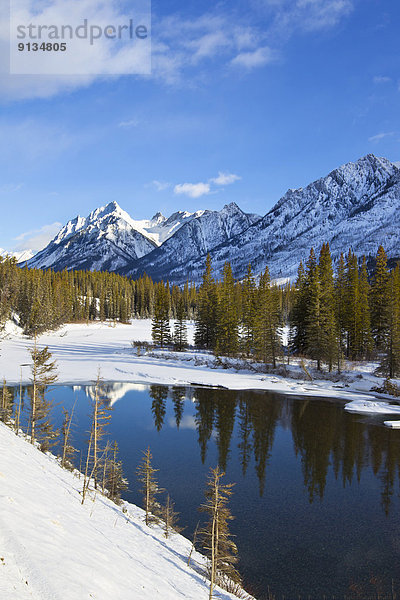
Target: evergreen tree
{"points": [[327, 307], [340, 308], [298, 341], [249, 309], [180, 327], [266, 322], [43, 371], [160, 331], [390, 363], [206, 314], [220, 550], [313, 329], [380, 300], [150, 489], [364, 314], [227, 342]]}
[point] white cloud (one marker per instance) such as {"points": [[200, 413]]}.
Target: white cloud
{"points": [[225, 179], [193, 190], [129, 124], [10, 188], [196, 190], [254, 59], [160, 186], [37, 239], [380, 136], [381, 79]]}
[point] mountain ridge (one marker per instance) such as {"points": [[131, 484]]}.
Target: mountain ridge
{"points": [[355, 205]]}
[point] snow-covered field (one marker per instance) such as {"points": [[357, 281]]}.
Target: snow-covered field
{"points": [[53, 548], [82, 350]]}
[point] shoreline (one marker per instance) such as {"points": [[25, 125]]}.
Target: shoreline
{"points": [[82, 350]]}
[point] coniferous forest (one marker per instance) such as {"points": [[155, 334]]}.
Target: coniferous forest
{"points": [[333, 312]]}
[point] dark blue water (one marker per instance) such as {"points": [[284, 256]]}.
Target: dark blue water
{"points": [[316, 500]]}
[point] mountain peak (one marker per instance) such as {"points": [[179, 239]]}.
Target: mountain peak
{"points": [[158, 218]]}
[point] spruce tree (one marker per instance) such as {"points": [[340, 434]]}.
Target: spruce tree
{"points": [[313, 330], [298, 340], [206, 314], [180, 327], [249, 309], [43, 371], [327, 307], [340, 308], [364, 313], [267, 321], [380, 300], [390, 363], [227, 342], [160, 330]]}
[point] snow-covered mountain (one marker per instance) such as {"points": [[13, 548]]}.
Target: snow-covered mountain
{"points": [[109, 239], [194, 239], [21, 256], [356, 205]]}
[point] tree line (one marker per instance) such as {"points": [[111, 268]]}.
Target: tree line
{"points": [[330, 316], [350, 313], [43, 300]]}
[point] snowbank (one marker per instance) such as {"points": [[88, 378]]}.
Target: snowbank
{"points": [[81, 350], [53, 548], [367, 406]]}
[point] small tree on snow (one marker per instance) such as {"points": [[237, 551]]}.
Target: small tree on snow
{"points": [[6, 404], [44, 374], [170, 518], [115, 482], [218, 547], [150, 489]]}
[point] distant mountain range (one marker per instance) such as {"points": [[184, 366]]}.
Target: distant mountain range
{"points": [[21, 256], [356, 205]]}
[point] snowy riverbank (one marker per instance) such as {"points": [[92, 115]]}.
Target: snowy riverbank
{"points": [[53, 548], [81, 350]]}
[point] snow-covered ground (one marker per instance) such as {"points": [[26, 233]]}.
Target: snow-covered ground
{"points": [[82, 350], [53, 548]]}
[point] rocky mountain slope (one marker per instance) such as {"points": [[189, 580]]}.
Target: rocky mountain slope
{"points": [[354, 206], [109, 239], [193, 240]]}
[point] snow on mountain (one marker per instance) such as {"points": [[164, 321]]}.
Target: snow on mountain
{"points": [[105, 240], [194, 239], [55, 548], [21, 256], [356, 205], [159, 228], [109, 239]]}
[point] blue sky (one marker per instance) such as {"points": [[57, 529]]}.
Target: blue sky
{"points": [[246, 100]]}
